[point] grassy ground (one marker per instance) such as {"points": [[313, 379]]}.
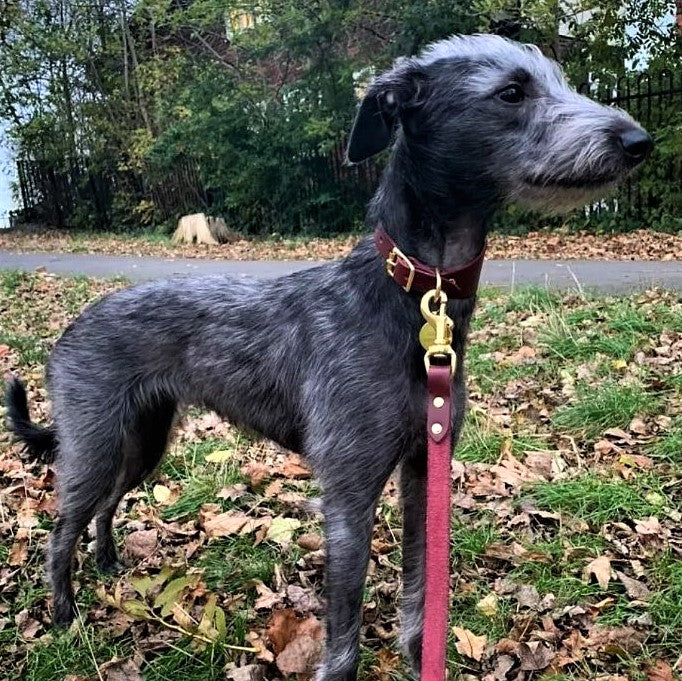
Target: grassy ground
{"points": [[566, 541]]}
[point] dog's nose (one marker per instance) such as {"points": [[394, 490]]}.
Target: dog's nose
{"points": [[637, 145]]}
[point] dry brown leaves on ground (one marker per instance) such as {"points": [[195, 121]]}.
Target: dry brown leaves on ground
{"points": [[554, 245]]}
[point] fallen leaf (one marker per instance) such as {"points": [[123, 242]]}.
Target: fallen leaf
{"points": [[636, 461], [182, 617], [660, 671], [488, 605], [267, 598], [282, 530], [256, 641], [303, 600], [523, 355], [140, 544], [385, 666], [650, 526], [502, 665], [135, 609], [219, 456], [615, 641], [634, 588], [173, 592], [296, 641], [251, 672], [27, 625], [619, 434], [18, 554], [161, 494], [273, 488], [301, 655], [282, 628], [120, 670], [601, 568], [527, 596], [294, 468], [534, 655], [257, 473], [468, 644], [225, 524], [310, 542], [233, 492]]}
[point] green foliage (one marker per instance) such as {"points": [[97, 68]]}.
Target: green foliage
{"points": [[256, 96]]}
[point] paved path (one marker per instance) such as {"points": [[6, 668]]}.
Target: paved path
{"points": [[605, 276]]}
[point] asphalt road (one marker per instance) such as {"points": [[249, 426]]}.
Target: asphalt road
{"points": [[595, 275]]}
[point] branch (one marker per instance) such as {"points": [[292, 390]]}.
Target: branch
{"points": [[217, 54]]}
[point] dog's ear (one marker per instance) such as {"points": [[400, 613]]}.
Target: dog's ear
{"points": [[388, 99]]}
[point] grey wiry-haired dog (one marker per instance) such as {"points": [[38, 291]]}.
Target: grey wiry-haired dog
{"points": [[326, 362]]}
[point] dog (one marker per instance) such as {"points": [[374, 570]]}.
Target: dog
{"points": [[326, 362]]}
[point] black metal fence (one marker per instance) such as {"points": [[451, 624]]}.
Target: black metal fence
{"points": [[653, 196], [321, 193]]}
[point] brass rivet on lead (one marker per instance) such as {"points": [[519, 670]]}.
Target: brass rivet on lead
{"points": [[436, 429], [438, 402]]}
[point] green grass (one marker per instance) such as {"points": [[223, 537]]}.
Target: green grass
{"points": [[189, 461], [568, 341], [666, 607], [479, 444], [465, 614], [32, 349], [592, 499], [533, 298], [467, 542], [231, 562], [181, 662], [609, 405], [70, 654], [202, 480], [198, 492], [11, 280], [668, 446], [560, 571]]}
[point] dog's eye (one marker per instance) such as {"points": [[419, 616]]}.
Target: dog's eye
{"points": [[512, 94]]}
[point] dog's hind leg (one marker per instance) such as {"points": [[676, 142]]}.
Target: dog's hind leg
{"points": [[85, 478], [142, 450], [413, 493]]}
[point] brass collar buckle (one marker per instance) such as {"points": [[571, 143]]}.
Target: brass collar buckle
{"points": [[392, 261]]}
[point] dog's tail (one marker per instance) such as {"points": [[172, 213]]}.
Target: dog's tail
{"points": [[40, 442]]}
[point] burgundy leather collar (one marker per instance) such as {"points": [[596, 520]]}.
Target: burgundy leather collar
{"points": [[414, 275]]}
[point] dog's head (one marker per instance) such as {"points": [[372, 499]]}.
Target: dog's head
{"points": [[497, 116]]}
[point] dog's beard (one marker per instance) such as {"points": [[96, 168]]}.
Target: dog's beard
{"points": [[556, 199]]}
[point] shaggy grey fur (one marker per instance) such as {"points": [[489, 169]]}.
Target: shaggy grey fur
{"points": [[326, 362]]}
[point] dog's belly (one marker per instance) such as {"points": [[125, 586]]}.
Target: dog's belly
{"points": [[269, 419]]}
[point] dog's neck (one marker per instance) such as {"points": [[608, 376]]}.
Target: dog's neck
{"points": [[424, 218]]}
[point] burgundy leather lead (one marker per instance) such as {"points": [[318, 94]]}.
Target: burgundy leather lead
{"points": [[437, 553]]}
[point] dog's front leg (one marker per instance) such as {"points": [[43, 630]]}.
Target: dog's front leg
{"points": [[413, 493], [349, 520]]}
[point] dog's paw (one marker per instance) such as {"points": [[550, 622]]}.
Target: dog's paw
{"points": [[64, 613], [110, 566]]}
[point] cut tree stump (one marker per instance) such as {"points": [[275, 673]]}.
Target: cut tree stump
{"points": [[197, 228]]}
